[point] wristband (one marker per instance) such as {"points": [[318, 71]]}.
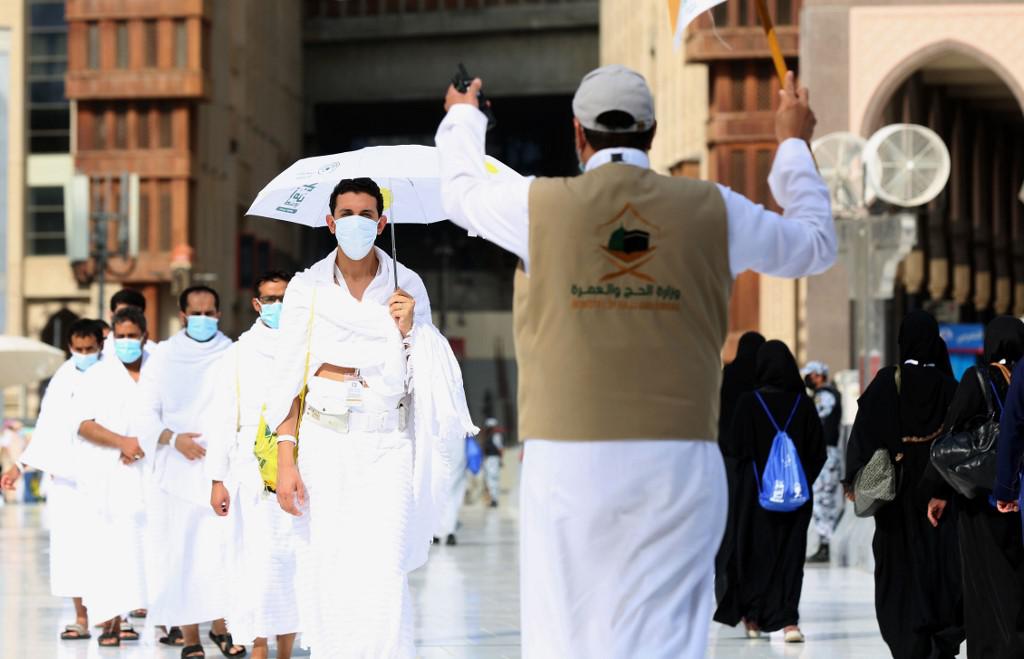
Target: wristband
{"points": [[287, 438], [174, 440]]}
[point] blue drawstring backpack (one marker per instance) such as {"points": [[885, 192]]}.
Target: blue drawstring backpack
{"points": [[474, 455], [783, 486]]}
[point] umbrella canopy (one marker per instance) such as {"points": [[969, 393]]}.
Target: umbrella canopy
{"points": [[27, 361], [409, 177]]}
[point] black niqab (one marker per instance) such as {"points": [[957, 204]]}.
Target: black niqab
{"points": [[738, 378], [1004, 340], [924, 392], [777, 369]]}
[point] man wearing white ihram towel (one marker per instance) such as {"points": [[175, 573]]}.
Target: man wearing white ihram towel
{"points": [[186, 560], [263, 603], [384, 395], [621, 309], [53, 451], [114, 473]]}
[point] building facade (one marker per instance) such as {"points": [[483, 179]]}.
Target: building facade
{"points": [[202, 101], [958, 68]]}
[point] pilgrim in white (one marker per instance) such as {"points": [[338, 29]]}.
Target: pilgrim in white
{"points": [[263, 603], [186, 562], [52, 451], [112, 476], [384, 393]]}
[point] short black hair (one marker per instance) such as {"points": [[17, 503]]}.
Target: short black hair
{"points": [[270, 275], [104, 325], [128, 296], [131, 315], [86, 327], [613, 120], [183, 298], [364, 185]]}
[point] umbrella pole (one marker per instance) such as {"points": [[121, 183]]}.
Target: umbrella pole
{"points": [[394, 255]]}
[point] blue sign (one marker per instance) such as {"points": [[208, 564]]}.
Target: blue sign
{"points": [[966, 338]]}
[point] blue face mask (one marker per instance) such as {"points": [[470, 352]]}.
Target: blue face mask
{"points": [[83, 362], [355, 235], [128, 350], [201, 328], [270, 314]]}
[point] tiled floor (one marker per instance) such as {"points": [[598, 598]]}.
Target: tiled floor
{"points": [[467, 601]]}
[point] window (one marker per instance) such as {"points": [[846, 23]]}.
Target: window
{"points": [[144, 218], [765, 73], [762, 166], [720, 14], [784, 12], [738, 87], [49, 117], [142, 122], [149, 36], [92, 41], [122, 45], [99, 122], [165, 129], [120, 129], [738, 171], [45, 231], [165, 216], [180, 45], [246, 260]]}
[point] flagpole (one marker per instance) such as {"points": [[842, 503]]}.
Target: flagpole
{"points": [[773, 41]]}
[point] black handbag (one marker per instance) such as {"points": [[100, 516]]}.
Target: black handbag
{"points": [[967, 459]]}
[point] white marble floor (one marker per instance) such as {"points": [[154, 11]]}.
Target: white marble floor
{"points": [[467, 601]]}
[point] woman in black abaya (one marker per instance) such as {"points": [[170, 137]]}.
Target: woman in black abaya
{"points": [[770, 546], [991, 549], [737, 379], [917, 569]]}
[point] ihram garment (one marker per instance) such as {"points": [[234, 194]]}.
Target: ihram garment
{"points": [[186, 558], [371, 490], [52, 450], [263, 600], [115, 492]]}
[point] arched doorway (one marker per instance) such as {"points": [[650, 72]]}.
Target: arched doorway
{"points": [[968, 265]]}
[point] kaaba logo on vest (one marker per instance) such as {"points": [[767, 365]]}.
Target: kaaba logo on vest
{"points": [[629, 245]]}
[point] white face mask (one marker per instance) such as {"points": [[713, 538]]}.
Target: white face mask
{"points": [[355, 235]]}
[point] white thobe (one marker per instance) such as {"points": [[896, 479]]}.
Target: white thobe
{"points": [[117, 493], [604, 571], [263, 602], [454, 495], [367, 521], [186, 562], [52, 450]]}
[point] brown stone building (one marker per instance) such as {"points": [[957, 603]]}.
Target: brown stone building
{"points": [[202, 100], [742, 96]]}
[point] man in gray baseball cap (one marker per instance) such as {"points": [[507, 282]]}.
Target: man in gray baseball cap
{"points": [[620, 312]]}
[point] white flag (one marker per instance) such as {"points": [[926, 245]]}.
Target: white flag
{"points": [[682, 12]]}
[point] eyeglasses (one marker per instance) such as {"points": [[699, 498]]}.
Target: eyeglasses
{"points": [[270, 299]]}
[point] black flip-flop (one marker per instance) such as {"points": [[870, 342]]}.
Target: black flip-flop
{"points": [[174, 637], [75, 632], [189, 652], [225, 643], [108, 636]]}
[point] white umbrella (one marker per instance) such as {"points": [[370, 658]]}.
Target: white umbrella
{"points": [[409, 177], [26, 361]]}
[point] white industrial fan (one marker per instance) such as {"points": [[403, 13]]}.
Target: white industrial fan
{"points": [[839, 158], [905, 165]]}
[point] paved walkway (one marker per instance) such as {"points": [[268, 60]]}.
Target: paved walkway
{"points": [[467, 601]]}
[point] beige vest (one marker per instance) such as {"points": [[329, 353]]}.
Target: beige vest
{"points": [[620, 323]]}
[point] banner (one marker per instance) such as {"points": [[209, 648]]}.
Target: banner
{"points": [[682, 12]]}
